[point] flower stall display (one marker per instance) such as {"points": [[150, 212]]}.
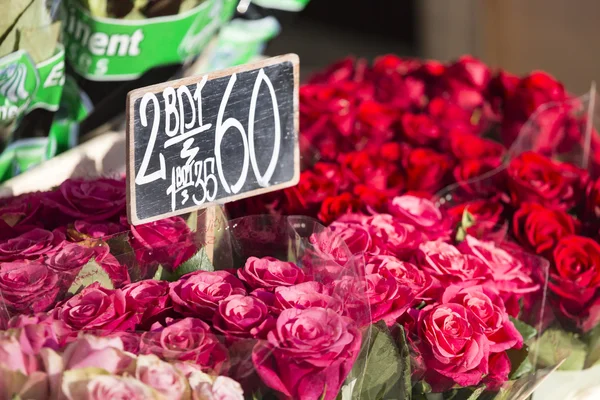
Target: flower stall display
{"points": [[376, 306]]}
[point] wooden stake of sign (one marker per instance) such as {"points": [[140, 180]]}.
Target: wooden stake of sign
{"points": [[212, 139]]}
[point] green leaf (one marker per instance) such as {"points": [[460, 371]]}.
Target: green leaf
{"points": [[461, 234], [593, 341], [198, 262], [158, 274], [554, 345], [519, 362], [121, 248], [465, 393], [527, 331], [467, 220], [405, 383], [90, 273], [324, 392], [381, 370]]}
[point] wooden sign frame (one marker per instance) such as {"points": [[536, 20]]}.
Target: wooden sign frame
{"points": [[134, 95]]}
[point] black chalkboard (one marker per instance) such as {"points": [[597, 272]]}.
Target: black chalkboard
{"points": [[211, 139]]}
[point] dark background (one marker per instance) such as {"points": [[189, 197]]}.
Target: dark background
{"points": [[328, 30]]}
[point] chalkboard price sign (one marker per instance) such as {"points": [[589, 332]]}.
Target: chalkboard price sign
{"points": [[199, 141]]}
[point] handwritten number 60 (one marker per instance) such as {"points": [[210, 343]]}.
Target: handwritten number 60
{"points": [[222, 127]]}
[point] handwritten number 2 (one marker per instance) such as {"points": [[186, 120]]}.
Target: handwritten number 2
{"points": [[141, 178]]}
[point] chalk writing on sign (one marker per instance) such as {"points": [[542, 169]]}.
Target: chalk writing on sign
{"points": [[217, 139]]}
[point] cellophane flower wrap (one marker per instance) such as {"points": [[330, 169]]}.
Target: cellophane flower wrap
{"points": [[93, 308]]}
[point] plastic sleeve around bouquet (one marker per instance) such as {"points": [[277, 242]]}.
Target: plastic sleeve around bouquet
{"points": [[271, 310]]}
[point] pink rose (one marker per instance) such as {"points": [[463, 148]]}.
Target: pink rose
{"points": [[198, 294], [31, 245], [91, 351], [148, 298], [222, 388], [161, 376], [92, 201], [395, 237], [489, 311], [96, 308], [404, 272], [269, 273], [27, 286], [456, 351], [309, 354], [14, 357], [422, 214], [168, 242], [40, 330], [102, 387], [240, 316], [188, 339], [306, 295]]}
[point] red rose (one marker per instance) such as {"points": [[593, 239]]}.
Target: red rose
{"points": [[309, 353], [336, 206], [269, 273], [198, 294], [419, 129], [539, 228], [466, 146], [479, 177], [168, 242], [575, 280], [470, 71], [96, 309], [487, 218], [535, 178], [426, 170], [451, 116], [93, 201], [532, 91]]}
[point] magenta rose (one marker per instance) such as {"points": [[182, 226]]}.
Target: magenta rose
{"points": [[455, 349], [447, 265], [20, 215], [489, 311], [27, 286], [404, 272], [99, 229], [356, 237], [96, 309], [422, 214], [306, 295], [394, 237], [93, 201], [168, 242], [511, 275], [30, 245], [309, 353], [68, 261], [148, 298], [240, 316], [118, 274], [269, 273], [198, 294], [188, 339]]}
